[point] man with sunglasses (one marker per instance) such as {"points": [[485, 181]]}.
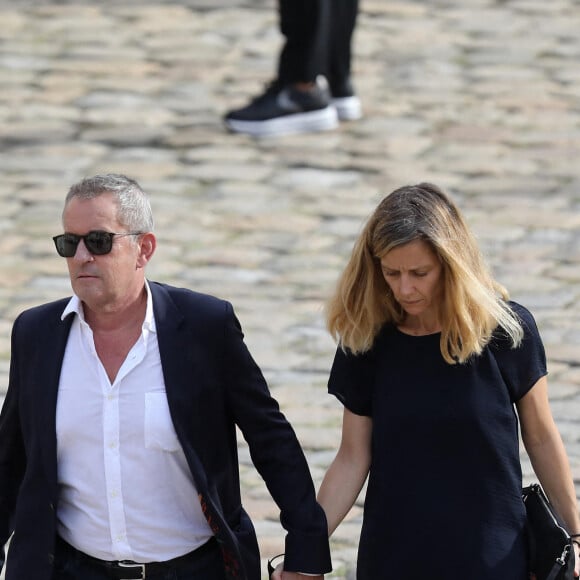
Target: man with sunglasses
{"points": [[118, 452]]}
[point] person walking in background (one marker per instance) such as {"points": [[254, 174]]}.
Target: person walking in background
{"points": [[118, 453], [313, 89], [434, 367]]}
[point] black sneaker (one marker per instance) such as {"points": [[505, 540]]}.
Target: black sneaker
{"points": [[283, 110], [347, 104]]}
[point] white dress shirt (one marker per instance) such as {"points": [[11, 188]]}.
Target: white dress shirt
{"points": [[126, 491]]}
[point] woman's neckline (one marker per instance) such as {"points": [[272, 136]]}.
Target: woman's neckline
{"points": [[417, 334]]}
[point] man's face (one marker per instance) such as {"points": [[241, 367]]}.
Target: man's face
{"points": [[104, 283]]}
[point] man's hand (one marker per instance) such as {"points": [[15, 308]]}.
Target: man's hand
{"points": [[279, 574]]}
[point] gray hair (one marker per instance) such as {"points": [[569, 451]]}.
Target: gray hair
{"points": [[133, 207]]}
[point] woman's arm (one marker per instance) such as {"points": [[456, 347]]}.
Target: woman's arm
{"points": [[345, 476], [349, 469], [548, 456], [547, 453]]}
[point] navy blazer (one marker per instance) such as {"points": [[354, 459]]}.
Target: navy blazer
{"points": [[212, 385]]}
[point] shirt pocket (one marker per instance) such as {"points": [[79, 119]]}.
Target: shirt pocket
{"points": [[159, 431]]}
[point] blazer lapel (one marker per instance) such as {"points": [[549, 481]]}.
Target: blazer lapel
{"points": [[178, 369], [47, 376], [176, 344]]}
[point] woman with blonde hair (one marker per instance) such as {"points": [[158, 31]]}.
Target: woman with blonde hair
{"points": [[434, 368]]}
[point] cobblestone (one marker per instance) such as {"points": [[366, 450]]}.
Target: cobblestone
{"points": [[479, 97]]}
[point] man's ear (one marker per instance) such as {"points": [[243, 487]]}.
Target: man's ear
{"points": [[147, 245]]}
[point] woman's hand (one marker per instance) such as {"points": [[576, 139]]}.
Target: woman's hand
{"points": [[277, 574]]}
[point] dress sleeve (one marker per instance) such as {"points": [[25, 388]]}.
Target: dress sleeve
{"points": [[351, 380], [523, 366]]}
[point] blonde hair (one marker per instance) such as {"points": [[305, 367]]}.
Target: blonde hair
{"points": [[474, 304]]}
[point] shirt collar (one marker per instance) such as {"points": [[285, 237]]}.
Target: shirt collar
{"points": [[74, 306]]}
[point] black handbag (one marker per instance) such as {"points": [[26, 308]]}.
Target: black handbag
{"points": [[551, 553]]}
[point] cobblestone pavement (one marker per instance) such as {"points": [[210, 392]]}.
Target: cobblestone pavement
{"points": [[481, 97]]}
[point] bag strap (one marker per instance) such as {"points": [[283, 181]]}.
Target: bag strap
{"points": [[554, 571], [559, 563]]}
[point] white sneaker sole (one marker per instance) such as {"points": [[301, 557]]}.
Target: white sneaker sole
{"points": [[348, 108], [312, 121]]}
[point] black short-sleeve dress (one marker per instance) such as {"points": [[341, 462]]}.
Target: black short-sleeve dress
{"points": [[444, 492]]}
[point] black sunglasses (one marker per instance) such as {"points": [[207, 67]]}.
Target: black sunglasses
{"points": [[97, 242]]}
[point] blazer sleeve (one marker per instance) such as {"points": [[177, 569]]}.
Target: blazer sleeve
{"points": [[12, 452], [276, 454]]}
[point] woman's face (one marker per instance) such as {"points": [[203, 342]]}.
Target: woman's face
{"points": [[415, 276]]}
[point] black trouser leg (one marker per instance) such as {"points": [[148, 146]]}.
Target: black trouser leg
{"points": [[344, 15], [306, 26]]}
